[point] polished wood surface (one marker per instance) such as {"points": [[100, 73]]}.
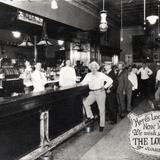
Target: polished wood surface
{"points": [[20, 118]]}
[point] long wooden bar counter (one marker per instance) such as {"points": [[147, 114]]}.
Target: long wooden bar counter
{"points": [[31, 121]]}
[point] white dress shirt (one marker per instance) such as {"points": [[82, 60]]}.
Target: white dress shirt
{"points": [[27, 79], [96, 81], [39, 80], [133, 79], [134, 70], [158, 76], [67, 76], [145, 72]]}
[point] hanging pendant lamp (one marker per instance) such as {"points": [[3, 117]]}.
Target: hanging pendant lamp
{"points": [[144, 14], [103, 22], [54, 4], [44, 41], [26, 42], [152, 19], [121, 32], [158, 20]]}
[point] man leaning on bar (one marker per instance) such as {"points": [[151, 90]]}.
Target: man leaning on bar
{"points": [[96, 81]]}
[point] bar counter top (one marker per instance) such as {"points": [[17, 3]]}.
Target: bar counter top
{"points": [[32, 101]]}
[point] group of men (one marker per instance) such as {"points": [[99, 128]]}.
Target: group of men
{"points": [[107, 88], [110, 88]]}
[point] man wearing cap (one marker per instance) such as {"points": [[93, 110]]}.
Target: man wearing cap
{"points": [[95, 81]]}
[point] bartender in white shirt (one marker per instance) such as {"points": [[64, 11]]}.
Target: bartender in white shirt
{"points": [[145, 73], [96, 80], [38, 78], [67, 76]]}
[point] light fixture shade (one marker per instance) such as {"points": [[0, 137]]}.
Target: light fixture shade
{"points": [[54, 4], [152, 19], [62, 48], [44, 42], [60, 42], [103, 22], [26, 44]]}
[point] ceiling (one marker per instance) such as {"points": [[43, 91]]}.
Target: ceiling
{"points": [[133, 10], [133, 15], [56, 30]]}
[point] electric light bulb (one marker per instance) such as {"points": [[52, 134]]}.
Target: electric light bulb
{"points": [[121, 39], [16, 34], [60, 42], [54, 4]]}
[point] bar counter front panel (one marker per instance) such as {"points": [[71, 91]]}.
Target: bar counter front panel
{"points": [[20, 118]]}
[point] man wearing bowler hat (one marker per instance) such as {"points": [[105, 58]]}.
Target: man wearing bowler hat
{"points": [[111, 103], [96, 81]]}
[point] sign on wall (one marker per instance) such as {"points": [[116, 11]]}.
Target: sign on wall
{"points": [[24, 16]]}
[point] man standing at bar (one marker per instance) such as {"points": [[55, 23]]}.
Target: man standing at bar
{"points": [[121, 89], [111, 101], [67, 76], [96, 80]]}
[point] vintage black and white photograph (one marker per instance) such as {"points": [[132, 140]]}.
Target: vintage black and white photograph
{"points": [[79, 79]]}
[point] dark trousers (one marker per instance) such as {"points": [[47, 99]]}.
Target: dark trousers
{"points": [[121, 100], [144, 88], [111, 105], [129, 99]]}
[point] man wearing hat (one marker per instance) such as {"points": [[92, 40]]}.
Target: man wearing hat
{"points": [[111, 101], [96, 81], [122, 89]]}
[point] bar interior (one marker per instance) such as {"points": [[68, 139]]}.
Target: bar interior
{"points": [[41, 35]]}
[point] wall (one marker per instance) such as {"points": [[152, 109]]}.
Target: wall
{"points": [[111, 37], [111, 40], [126, 44], [16, 52]]}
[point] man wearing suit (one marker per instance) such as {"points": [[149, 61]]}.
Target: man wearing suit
{"points": [[111, 101], [122, 89]]}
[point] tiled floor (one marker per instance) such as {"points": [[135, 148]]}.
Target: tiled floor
{"points": [[112, 144], [78, 145]]}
